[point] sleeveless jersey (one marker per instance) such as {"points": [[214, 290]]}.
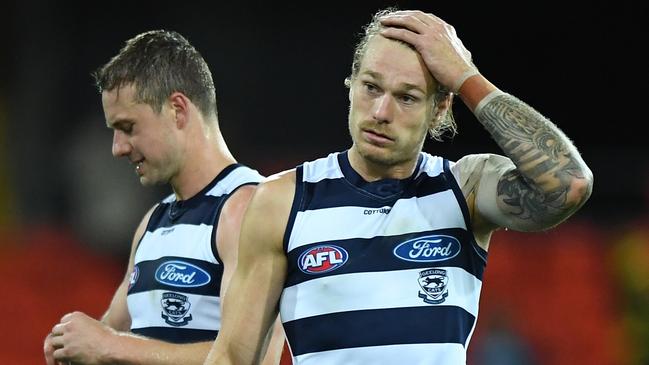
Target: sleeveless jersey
{"points": [[386, 272], [173, 293]]}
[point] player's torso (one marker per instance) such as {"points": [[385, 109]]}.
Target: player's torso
{"points": [[174, 289], [380, 273]]}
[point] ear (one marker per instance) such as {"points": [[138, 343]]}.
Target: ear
{"points": [[180, 106], [348, 84], [442, 107]]}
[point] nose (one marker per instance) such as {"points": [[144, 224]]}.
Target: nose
{"points": [[383, 108], [121, 147]]}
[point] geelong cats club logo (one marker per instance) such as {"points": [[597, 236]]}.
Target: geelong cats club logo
{"points": [[175, 308], [321, 259], [433, 283]]}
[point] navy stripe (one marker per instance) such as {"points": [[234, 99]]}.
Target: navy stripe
{"points": [[196, 211], [297, 204], [376, 255], [339, 192], [177, 335], [146, 277], [199, 209], [429, 324]]}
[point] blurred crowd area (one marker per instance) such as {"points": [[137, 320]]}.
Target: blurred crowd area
{"points": [[576, 295]]}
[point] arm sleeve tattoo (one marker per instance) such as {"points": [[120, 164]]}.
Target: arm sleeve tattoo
{"points": [[548, 166]]}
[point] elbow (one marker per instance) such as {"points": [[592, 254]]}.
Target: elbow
{"points": [[581, 187]]}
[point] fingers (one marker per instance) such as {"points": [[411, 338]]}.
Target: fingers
{"points": [[400, 34], [53, 350], [58, 329], [48, 350], [414, 20], [411, 20], [407, 25], [68, 317], [57, 341]]}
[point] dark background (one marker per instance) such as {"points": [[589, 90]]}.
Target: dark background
{"points": [[279, 73], [68, 209]]}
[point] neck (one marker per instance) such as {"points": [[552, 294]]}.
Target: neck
{"points": [[205, 158], [376, 170]]}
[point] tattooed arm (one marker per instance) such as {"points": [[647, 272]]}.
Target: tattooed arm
{"points": [[542, 181]]}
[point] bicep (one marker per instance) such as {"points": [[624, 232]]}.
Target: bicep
{"points": [[251, 303], [478, 176], [117, 315], [503, 197], [228, 233]]}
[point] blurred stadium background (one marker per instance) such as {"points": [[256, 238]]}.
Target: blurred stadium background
{"points": [[578, 294]]}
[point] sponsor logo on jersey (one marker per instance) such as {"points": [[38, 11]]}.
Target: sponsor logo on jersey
{"points": [[322, 259], [385, 210], [433, 282], [175, 309], [428, 249], [167, 231], [134, 276], [181, 274]]}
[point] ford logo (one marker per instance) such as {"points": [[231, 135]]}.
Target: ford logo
{"points": [[181, 274], [428, 249]]}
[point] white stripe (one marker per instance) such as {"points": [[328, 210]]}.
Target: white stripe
{"points": [[184, 240], [145, 309], [431, 165], [374, 290], [409, 354], [234, 179], [435, 211], [169, 199], [321, 169]]}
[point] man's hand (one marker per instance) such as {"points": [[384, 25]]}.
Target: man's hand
{"points": [[79, 339], [436, 41], [48, 349]]}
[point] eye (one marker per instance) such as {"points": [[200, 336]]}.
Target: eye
{"points": [[408, 99], [128, 128], [371, 88], [125, 127]]}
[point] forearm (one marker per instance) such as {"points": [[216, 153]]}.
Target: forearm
{"points": [[128, 349], [551, 180]]}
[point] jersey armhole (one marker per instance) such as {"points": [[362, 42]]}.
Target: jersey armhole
{"points": [[465, 209], [215, 223], [295, 207]]}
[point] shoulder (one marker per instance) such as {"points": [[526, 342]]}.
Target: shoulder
{"points": [[470, 169], [276, 189], [139, 232]]}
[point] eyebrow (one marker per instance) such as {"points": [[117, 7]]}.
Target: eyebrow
{"points": [[405, 85], [119, 123]]}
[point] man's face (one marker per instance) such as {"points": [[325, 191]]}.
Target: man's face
{"points": [[390, 103], [143, 136]]}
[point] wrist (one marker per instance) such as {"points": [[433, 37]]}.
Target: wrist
{"points": [[112, 345], [474, 89], [457, 85]]}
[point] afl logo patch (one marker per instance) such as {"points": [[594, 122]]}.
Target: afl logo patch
{"points": [[181, 274], [134, 276], [428, 249], [322, 259]]}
